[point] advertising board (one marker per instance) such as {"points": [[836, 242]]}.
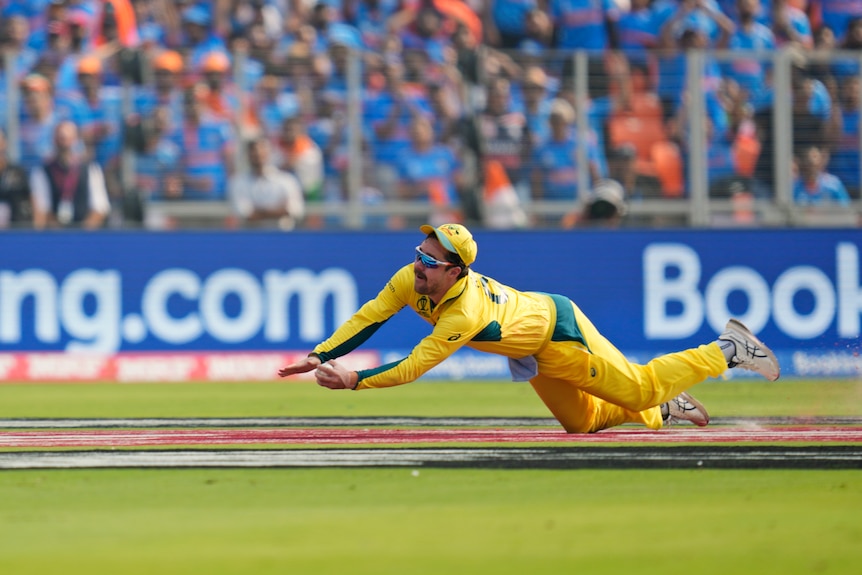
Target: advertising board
{"points": [[122, 293]]}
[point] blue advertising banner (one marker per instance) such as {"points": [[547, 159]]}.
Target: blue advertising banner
{"points": [[649, 291]]}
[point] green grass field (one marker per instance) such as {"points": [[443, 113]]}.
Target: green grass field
{"points": [[388, 521], [372, 521], [486, 399]]}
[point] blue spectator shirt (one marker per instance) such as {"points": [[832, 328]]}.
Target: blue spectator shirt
{"points": [[151, 32], [146, 100], [719, 160], [537, 122], [107, 114], [719, 154], [372, 24], [37, 140], [798, 21], [322, 131], [67, 74], [582, 22], [672, 76], [838, 13], [637, 32], [377, 109], [273, 113], [205, 148], [750, 73], [533, 48], [663, 10], [35, 11], [696, 19], [844, 160], [434, 47], [845, 67], [24, 61], [510, 15], [435, 168], [557, 161], [820, 104], [729, 8], [827, 190], [152, 167]]}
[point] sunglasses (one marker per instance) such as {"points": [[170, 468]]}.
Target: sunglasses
{"points": [[428, 261]]}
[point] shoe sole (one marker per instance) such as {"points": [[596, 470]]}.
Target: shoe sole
{"points": [[739, 326], [699, 407]]}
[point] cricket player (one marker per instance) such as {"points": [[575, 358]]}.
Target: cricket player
{"points": [[583, 379]]}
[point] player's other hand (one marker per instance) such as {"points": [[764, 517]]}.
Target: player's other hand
{"points": [[304, 365], [332, 375]]}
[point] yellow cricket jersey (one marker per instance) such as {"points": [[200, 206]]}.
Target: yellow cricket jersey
{"points": [[477, 311]]}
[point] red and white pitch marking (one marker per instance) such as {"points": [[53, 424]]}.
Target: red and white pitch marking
{"points": [[376, 436]]}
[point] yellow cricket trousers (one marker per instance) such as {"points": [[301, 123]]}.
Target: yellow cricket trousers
{"points": [[594, 387]]}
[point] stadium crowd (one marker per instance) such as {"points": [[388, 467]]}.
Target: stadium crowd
{"points": [[466, 106]]}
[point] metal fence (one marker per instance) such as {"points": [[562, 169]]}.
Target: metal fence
{"points": [[695, 139]]}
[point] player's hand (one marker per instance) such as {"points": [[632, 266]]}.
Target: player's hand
{"points": [[333, 376], [304, 365]]}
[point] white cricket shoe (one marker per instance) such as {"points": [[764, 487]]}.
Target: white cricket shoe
{"points": [[684, 407], [750, 353]]}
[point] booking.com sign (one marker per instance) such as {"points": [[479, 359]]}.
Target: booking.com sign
{"points": [[841, 298], [87, 306], [247, 292]]}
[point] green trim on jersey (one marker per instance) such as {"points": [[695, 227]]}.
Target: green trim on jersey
{"points": [[566, 328], [350, 344], [363, 373], [492, 332]]}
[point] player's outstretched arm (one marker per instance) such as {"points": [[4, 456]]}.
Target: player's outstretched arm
{"points": [[302, 366]]}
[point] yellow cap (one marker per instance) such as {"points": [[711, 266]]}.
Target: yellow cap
{"points": [[456, 239]]}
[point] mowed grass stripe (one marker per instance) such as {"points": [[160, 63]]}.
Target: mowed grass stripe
{"points": [[429, 521], [737, 399]]}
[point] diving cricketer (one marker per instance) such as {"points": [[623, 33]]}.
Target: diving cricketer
{"points": [[586, 382]]}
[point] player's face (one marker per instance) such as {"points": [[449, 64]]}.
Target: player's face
{"points": [[433, 282]]}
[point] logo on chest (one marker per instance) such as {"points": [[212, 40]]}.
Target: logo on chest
{"points": [[423, 306]]}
